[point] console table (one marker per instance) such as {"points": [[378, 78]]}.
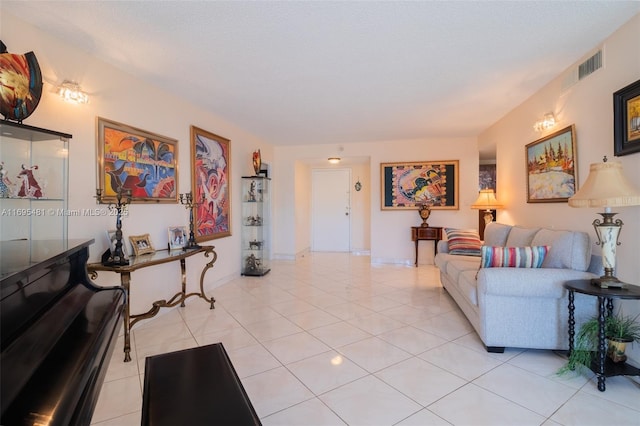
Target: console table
{"points": [[426, 233], [146, 260], [603, 367]]}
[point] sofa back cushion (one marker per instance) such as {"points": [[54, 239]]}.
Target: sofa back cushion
{"points": [[513, 257], [463, 241], [521, 237], [569, 249], [495, 234]]}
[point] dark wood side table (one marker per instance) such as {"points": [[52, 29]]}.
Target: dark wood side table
{"points": [[603, 367], [426, 233]]}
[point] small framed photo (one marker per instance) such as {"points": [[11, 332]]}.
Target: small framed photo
{"points": [[177, 237], [626, 120], [111, 239], [141, 244]]}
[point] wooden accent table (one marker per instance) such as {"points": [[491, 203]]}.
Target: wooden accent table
{"points": [[603, 367], [143, 261], [429, 233]]}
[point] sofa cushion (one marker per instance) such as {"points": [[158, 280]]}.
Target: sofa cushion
{"points": [[521, 237], [495, 234], [463, 241], [569, 249], [513, 257], [455, 267]]}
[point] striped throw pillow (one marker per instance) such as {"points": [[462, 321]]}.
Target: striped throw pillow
{"points": [[463, 241], [513, 257]]}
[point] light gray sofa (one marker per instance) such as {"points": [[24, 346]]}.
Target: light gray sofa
{"points": [[522, 307]]}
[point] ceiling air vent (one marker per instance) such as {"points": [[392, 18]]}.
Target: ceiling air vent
{"points": [[591, 65], [586, 68]]}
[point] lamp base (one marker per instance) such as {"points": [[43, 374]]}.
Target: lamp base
{"points": [[606, 281]]}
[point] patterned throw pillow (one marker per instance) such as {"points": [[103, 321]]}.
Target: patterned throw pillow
{"points": [[513, 257], [463, 241]]}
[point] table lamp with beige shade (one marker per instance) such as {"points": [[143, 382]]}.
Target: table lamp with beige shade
{"points": [[606, 186], [487, 201]]}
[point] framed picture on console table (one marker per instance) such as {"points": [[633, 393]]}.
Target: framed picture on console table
{"points": [[407, 186], [626, 120], [551, 164], [141, 244], [131, 159], [210, 184]]}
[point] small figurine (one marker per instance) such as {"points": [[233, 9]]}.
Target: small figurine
{"points": [[253, 263], [30, 187], [255, 245], [5, 183], [252, 191]]}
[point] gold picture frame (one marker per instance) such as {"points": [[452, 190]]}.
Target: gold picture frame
{"points": [[552, 167], [135, 160], [210, 184], [409, 185], [141, 244]]}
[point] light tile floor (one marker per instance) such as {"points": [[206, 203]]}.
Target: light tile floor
{"points": [[332, 340]]}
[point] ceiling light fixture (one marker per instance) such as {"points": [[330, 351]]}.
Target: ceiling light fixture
{"points": [[70, 91], [547, 122], [334, 160]]}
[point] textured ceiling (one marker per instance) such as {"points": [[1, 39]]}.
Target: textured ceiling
{"points": [[339, 72]]}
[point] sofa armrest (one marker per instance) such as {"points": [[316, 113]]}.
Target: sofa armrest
{"points": [[529, 282]]}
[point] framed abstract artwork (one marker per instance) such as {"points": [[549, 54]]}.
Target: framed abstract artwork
{"points": [[626, 120], [552, 167], [210, 183], [134, 160], [412, 184]]}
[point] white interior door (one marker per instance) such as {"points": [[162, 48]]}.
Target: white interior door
{"points": [[331, 210]]}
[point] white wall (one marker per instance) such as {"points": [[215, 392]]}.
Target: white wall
{"points": [[118, 96], [588, 105], [389, 239]]}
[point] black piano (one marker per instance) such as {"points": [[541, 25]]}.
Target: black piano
{"points": [[58, 331]]}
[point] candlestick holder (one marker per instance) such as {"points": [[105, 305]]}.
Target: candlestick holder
{"points": [[116, 256], [188, 202]]}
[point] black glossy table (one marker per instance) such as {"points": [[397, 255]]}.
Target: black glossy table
{"points": [[603, 367]]}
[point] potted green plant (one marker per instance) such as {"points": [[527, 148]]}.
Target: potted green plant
{"points": [[619, 330]]}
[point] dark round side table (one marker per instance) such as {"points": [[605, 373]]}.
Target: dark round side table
{"points": [[603, 367]]}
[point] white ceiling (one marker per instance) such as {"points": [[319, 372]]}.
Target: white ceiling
{"points": [[336, 72]]}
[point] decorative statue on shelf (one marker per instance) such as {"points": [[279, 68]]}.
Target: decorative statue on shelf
{"points": [[253, 263], [252, 191], [6, 185], [30, 188], [255, 245]]}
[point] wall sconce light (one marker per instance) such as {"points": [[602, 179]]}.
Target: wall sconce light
{"points": [[71, 91], [547, 122], [487, 201], [334, 160]]}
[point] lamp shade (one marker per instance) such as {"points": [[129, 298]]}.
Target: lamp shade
{"points": [[606, 186], [486, 201]]}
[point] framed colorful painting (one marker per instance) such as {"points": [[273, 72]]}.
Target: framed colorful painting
{"points": [[626, 120], [410, 185], [210, 182], [551, 167], [131, 159]]}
